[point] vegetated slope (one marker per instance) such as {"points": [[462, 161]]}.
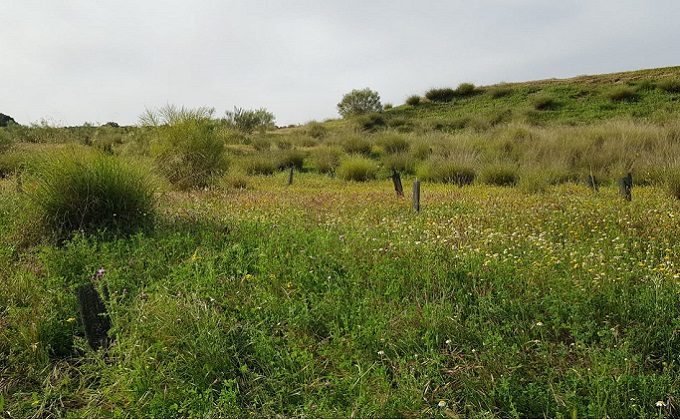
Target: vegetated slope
{"points": [[648, 93]]}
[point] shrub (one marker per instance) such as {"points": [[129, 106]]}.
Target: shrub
{"points": [[542, 101], [465, 89], [187, 147], [440, 94], [393, 143], [249, 120], [401, 124], [621, 93], [646, 84], [83, 192], [358, 102], [500, 175], [356, 144], [235, 180], [413, 100], [388, 106], [671, 85], [326, 160], [357, 168]]}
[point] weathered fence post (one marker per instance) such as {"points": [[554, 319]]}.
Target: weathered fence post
{"points": [[415, 206], [290, 177], [626, 186], [396, 179], [93, 313]]}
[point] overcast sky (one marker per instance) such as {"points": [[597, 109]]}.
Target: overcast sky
{"points": [[76, 61]]}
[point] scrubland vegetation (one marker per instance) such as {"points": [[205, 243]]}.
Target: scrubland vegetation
{"points": [[516, 291]]}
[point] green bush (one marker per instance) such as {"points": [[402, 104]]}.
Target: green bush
{"points": [[670, 85], [357, 168], [187, 145], [465, 89], [261, 144], [413, 100], [500, 175], [91, 192], [440, 94], [359, 102], [249, 120], [621, 93]]}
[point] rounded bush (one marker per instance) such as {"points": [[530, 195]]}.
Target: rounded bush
{"points": [[465, 89], [325, 160], [356, 144], [440, 94], [6, 141], [357, 168], [442, 170], [413, 100], [89, 193]]}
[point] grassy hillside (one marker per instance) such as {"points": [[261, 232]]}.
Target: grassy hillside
{"points": [[515, 291]]}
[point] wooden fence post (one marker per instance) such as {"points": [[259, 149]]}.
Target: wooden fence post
{"points": [[415, 206], [290, 177], [396, 179], [626, 186], [93, 313]]}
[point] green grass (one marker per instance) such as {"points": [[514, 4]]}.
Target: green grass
{"points": [[332, 298]]}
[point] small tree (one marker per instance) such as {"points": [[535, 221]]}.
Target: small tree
{"points": [[6, 120], [359, 101], [249, 120]]}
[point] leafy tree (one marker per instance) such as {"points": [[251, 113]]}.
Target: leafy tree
{"points": [[6, 120], [359, 101], [249, 120]]}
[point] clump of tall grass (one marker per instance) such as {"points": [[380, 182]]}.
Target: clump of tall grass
{"points": [[440, 94], [413, 100], [259, 164], [291, 159], [354, 144], [6, 141], [317, 130], [393, 143], [498, 91], [670, 85], [502, 175], [326, 160], [187, 145], [465, 89], [542, 101], [621, 93], [400, 162], [370, 122], [357, 168], [75, 192], [448, 171]]}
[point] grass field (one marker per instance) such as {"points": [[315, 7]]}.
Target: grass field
{"points": [[521, 293]]}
